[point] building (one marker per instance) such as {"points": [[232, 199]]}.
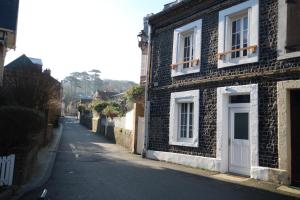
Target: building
{"points": [[8, 29], [224, 87], [30, 86], [143, 45]]}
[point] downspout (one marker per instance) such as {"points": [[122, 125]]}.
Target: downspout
{"points": [[147, 102]]}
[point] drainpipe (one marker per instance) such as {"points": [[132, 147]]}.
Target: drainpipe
{"points": [[2, 58], [147, 102]]}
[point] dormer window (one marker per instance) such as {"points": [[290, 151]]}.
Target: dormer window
{"points": [[186, 49], [288, 29], [238, 34]]}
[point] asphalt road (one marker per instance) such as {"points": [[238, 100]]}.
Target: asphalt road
{"points": [[88, 167]]}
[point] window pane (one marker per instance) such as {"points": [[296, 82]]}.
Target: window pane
{"points": [[233, 26], [187, 50], [245, 35], [238, 25], [191, 120], [293, 26], [245, 23], [183, 120], [241, 126], [239, 98]]}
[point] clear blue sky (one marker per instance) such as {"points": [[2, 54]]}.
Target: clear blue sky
{"points": [[79, 35]]}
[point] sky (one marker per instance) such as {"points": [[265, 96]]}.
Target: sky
{"points": [[80, 35]]}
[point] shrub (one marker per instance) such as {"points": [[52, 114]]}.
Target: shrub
{"points": [[81, 108], [18, 127], [136, 93], [107, 108], [99, 106], [111, 111]]}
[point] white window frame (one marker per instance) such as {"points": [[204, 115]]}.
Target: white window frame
{"points": [[177, 57], [282, 33], [177, 98], [224, 40]]}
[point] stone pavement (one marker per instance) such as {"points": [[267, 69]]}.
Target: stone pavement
{"points": [[89, 167]]}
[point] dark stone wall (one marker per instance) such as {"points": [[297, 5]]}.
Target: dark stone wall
{"points": [[161, 58]]}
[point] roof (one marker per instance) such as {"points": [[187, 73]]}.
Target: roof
{"points": [[168, 8], [36, 61], [24, 61], [9, 14]]}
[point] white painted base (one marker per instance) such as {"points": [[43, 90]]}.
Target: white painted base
{"points": [[214, 164], [188, 160], [270, 174]]}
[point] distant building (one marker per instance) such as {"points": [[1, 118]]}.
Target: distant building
{"points": [[8, 29], [143, 44], [22, 62], [27, 81], [104, 95]]}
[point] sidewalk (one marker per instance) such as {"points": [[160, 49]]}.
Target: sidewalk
{"points": [[44, 164]]}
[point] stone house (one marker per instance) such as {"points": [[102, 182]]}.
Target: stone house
{"points": [[31, 86], [223, 87]]}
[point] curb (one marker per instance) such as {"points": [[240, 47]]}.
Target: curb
{"points": [[41, 179]]}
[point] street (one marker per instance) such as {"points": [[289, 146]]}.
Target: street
{"points": [[89, 167]]}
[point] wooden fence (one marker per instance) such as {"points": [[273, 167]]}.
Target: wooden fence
{"points": [[7, 169]]}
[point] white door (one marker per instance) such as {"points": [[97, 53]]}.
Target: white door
{"points": [[239, 141], [140, 135]]}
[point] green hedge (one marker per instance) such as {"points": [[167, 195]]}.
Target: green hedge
{"points": [[19, 127]]}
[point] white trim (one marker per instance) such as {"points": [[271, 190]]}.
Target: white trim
{"points": [[196, 27], [282, 33], [289, 55], [184, 159], [222, 122], [284, 125], [191, 96], [253, 27]]}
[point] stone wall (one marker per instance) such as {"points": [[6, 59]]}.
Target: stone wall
{"points": [[266, 73], [120, 136]]}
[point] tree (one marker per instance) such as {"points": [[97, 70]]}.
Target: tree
{"points": [[95, 77]]}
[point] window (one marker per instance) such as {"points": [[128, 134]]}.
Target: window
{"points": [[184, 118], [239, 39], [238, 34], [288, 29], [186, 49]]}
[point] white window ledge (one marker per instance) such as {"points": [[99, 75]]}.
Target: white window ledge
{"points": [[289, 55]]}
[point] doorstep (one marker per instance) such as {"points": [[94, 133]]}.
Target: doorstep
{"points": [[230, 177], [289, 189]]}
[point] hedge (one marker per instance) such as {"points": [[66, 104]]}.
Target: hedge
{"points": [[19, 127]]}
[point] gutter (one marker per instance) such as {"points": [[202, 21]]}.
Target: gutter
{"points": [[147, 102]]}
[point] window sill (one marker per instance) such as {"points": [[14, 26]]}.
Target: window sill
{"points": [[186, 144], [289, 55], [189, 71], [223, 64]]}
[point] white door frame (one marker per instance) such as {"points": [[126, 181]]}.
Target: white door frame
{"points": [[222, 150], [232, 111]]}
